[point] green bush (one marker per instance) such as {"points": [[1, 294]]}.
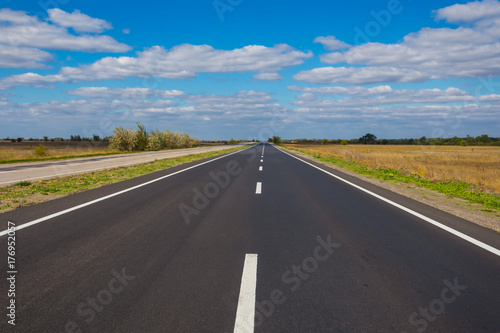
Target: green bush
{"points": [[128, 140], [41, 150], [123, 139]]}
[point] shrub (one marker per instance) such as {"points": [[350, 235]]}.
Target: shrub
{"points": [[156, 140], [142, 137], [41, 150], [123, 139], [344, 143]]}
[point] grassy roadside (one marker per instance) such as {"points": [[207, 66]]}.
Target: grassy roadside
{"points": [[463, 190], [28, 193], [66, 157]]}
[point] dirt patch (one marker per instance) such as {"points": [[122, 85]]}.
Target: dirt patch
{"points": [[456, 206]]}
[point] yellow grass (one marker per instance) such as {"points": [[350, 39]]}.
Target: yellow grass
{"points": [[475, 165], [25, 150]]}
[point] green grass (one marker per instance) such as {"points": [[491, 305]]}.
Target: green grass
{"points": [[25, 160], [452, 188], [27, 193]]}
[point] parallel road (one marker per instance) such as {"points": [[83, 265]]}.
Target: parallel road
{"points": [[16, 172], [254, 241]]}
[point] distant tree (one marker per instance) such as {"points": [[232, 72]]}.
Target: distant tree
{"points": [[324, 141], [344, 143], [368, 138], [385, 141], [45, 138], [484, 139], [276, 140], [463, 143], [96, 138], [455, 140], [12, 140]]}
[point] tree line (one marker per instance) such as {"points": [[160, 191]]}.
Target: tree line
{"points": [[369, 138]]}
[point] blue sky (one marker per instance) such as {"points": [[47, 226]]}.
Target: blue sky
{"points": [[250, 69]]}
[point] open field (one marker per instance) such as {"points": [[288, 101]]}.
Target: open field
{"points": [[473, 165], [26, 150], [11, 152]]}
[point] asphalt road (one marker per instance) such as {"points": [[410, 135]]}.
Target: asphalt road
{"points": [[208, 249], [16, 172]]}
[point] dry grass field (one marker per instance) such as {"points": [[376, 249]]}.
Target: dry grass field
{"points": [[26, 150], [474, 165]]}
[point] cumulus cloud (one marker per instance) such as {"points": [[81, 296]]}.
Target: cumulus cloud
{"points": [[351, 91], [361, 75], [31, 80], [268, 77], [383, 95], [464, 52], [469, 12], [185, 61], [331, 43], [244, 104], [123, 93], [23, 57], [21, 30], [78, 21]]}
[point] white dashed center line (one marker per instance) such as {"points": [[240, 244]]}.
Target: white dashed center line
{"points": [[260, 168], [258, 188], [245, 313]]}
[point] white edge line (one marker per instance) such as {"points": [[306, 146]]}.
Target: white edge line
{"points": [[258, 188], [48, 217], [412, 212], [245, 312]]}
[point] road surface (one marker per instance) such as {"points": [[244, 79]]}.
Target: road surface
{"points": [[253, 241], [16, 172]]}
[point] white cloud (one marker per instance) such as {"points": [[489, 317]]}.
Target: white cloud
{"points": [[124, 93], [268, 77], [21, 30], [351, 91], [469, 12], [463, 52], [331, 43], [78, 21], [361, 75], [228, 108], [31, 80], [126, 31], [383, 95], [23, 57], [184, 61]]}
